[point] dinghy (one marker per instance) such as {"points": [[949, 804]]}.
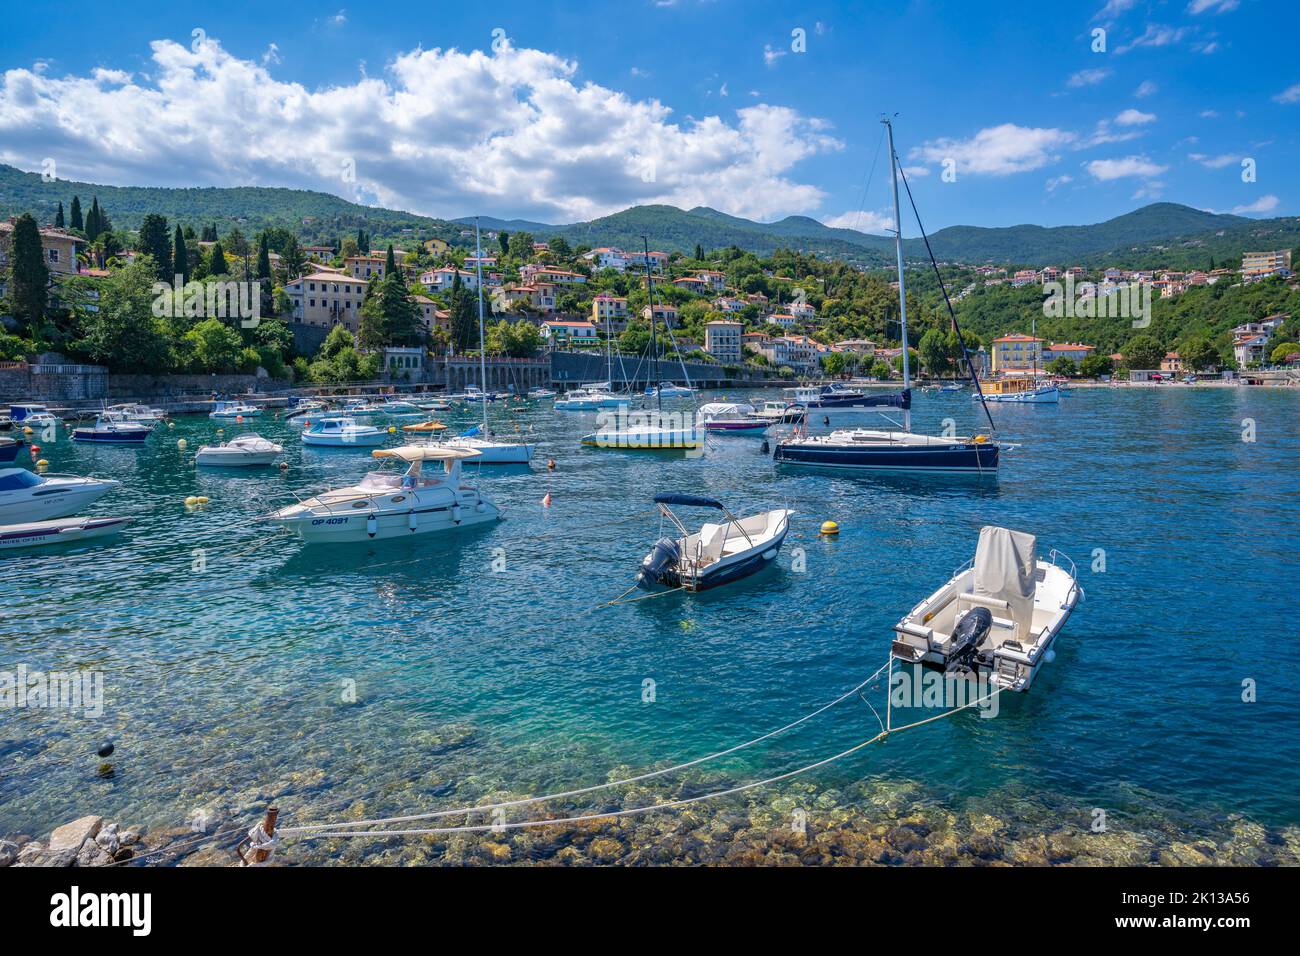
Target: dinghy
{"points": [[997, 616], [58, 531], [717, 553]]}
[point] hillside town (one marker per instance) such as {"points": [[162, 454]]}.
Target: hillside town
{"points": [[353, 310]]}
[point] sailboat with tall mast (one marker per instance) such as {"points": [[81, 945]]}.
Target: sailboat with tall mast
{"points": [[491, 450], [862, 449], [651, 429]]}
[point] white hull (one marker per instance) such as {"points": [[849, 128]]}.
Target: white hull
{"points": [[648, 438], [58, 531], [22, 507], [235, 458], [352, 528], [1049, 395], [341, 441], [495, 452]]}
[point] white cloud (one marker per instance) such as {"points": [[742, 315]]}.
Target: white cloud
{"points": [[443, 132], [1145, 88], [1088, 77], [1114, 8], [1213, 162], [1214, 114], [1056, 182], [997, 150], [1108, 169], [1155, 35], [339, 18], [1213, 6], [771, 55], [1290, 95], [1131, 117], [271, 56], [1263, 204], [863, 221], [916, 172]]}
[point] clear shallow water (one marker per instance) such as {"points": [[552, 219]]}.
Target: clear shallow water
{"points": [[225, 686]]}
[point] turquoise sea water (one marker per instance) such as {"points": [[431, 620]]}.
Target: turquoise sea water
{"points": [[227, 685]]}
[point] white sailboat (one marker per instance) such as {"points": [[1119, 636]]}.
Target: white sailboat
{"points": [[862, 449]]}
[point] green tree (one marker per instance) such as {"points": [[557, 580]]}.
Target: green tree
{"points": [[1095, 366], [214, 347], [265, 281], [156, 242], [58, 217], [835, 363], [74, 215], [1281, 351], [390, 316], [217, 260], [181, 255], [464, 316], [934, 351], [1198, 354], [1143, 352], [121, 330], [503, 239], [292, 261], [29, 277], [1062, 366]]}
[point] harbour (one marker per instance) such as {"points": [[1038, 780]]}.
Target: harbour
{"points": [[242, 668]]}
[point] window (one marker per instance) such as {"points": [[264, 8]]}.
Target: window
{"points": [[54, 255]]}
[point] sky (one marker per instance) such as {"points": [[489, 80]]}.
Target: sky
{"points": [[1005, 113]]}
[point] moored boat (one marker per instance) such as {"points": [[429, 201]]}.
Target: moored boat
{"points": [[58, 531], [110, 430], [733, 418], [26, 496], [1020, 388], [716, 554], [338, 431], [997, 616], [9, 448], [233, 410], [242, 451]]}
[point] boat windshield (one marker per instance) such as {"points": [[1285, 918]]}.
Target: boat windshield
{"points": [[18, 478]]}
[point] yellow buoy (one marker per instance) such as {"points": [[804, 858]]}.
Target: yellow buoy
{"points": [[221, 431], [27, 429], [171, 424], [191, 501], [392, 429], [201, 500], [830, 527], [42, 464]]}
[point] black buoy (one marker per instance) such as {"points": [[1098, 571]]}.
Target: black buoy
{"points": [[765, 447], [105, 749]]}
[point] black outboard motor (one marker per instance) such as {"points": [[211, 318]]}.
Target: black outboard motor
{"points": [[964, 655], [659, 567]]}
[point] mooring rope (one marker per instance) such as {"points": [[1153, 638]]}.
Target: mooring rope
{"points": [[546, 798]]}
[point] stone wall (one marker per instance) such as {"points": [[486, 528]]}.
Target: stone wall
{"points": [[52, 384], [573, 368], [121, 387]]}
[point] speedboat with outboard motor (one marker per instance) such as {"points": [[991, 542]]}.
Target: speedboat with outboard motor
{"points": [[31, 416], [135, 412], [997, 616], [733, 418], [669, 390], [26, 496], [389, 505], [717, 553], [242, 451]]}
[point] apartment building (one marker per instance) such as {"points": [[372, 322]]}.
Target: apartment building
{"points": [[326, 299], [1016, 352], [609, 311], [722, 340]]}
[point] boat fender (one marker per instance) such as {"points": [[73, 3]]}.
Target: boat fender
{"points": [[372, 525], [480, 507], [455, 514], [182, 444], [766, 447], [1049, 656], [981, 439], [412, 522]]}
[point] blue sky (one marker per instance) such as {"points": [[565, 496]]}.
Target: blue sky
{"points": [[582, 109]]}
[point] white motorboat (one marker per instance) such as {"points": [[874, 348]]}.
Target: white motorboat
{"points": [[717, 553], [733, 418], [108, 429], [135, 412], [242, 451], [781, 412], [31, 416], [540, 393], [306, 408], [58, 531], [340, 431], [389, 505], [648, 431], [399, 408], [233, 410], [589, 400], [26, 496], [997, 616]]}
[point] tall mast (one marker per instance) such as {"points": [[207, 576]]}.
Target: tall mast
{"points": [[654, 344], [482, 339], [898, 248]]}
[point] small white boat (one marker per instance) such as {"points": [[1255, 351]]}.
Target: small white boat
{"points": [[780, 412], [400, 408], [108, 429], [997, 616], [669, 390], [432, 404], [58, 531], [242, 451], [733, 418], [31, 416], [647, 431], [305, 409], [338, 431], [717, 553], [232, 410], [135, 412], [540, 393], [590, 400], [26, 496], [388, 505]]}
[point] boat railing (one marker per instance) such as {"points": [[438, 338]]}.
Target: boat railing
{"points": [[964, 567], [1054, 556]]}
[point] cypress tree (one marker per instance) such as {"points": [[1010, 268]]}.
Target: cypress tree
{"points": [[76, 222], [217, 260], [390, 263], [266, 285], [503, 237], [58, 217], [29, 277], [180, 255], [155, 240]]}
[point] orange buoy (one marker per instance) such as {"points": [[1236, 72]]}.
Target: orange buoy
{"points": [[550, 464], [546, 502]]}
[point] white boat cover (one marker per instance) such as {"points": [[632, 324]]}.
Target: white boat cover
{"points": [[1005, 565], [713, 409]]}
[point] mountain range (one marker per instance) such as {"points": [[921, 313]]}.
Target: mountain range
{"points": [[1176, 235]]}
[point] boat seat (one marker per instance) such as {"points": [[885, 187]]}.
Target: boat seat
{"points": [[711, 539], [983, 600]]}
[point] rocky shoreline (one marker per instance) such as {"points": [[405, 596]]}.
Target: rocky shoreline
{"points": [[870, 823]]}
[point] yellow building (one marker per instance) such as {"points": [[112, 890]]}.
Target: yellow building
{"points": [[60, 249], [1265, 263], [1017, 352], [327, 299], [611, 309]]}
